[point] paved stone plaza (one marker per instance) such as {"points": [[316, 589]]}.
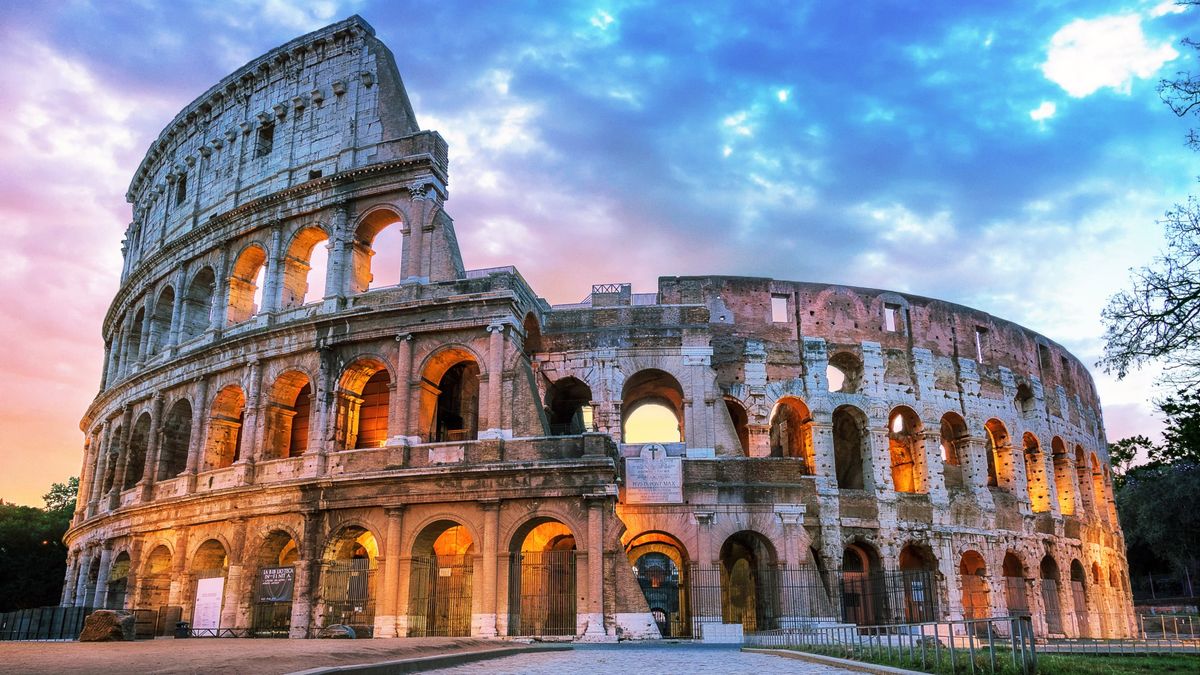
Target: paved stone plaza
{"points": [[696, 660]]}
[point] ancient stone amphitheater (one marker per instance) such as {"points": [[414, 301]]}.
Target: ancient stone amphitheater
{"points": [[397, 444]]}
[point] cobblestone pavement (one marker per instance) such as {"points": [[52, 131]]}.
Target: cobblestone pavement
{"points": [[689, 659]]}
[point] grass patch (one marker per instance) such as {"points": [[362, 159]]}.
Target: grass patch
{"points": [[1048, 664]]}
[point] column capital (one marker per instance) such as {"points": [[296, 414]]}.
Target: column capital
{"points": [[404, 337], [704, 517], [394, 511], [489, 504]]}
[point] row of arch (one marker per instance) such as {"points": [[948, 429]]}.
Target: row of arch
{"points": [[337, 582], [305, 276]]}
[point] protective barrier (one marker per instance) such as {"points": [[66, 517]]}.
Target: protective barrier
{"points": [[541, 590], [440, 605]]}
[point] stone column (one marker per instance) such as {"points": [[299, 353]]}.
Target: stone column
{"points": [[485, 622], [307, 573], [389, 563], [933, 467], [147, 321], [495, 381], [179, 580], [975, 455], [595, 557], [68, 591], [85, 568], [153, 443], [232, 596], [398, 421], [336, 277], [708, 609], [172, 338], [106, 371], [86, 474], [881, 463], [101, 462], [122, 443], [100, 599], [274, 275], [196, 442], [251, 441]]}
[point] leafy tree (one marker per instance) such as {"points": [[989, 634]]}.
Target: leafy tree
{"points": [[1123, 453], [1158, 319], [61, 496], [1156, 507], [33, 559]]}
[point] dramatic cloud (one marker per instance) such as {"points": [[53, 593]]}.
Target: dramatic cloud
{"points": [[897, 147]]}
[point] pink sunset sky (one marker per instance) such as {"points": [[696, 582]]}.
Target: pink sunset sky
{"points": [[1011, 159]]}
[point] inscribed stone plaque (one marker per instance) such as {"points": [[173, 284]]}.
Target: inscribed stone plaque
{"points": [[654, 478]]}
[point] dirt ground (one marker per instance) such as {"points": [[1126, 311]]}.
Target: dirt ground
{"points": [[210, 655]]}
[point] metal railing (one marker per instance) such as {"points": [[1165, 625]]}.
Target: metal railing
{"points": [[43, 624], [971, 646], [1156, 634]]}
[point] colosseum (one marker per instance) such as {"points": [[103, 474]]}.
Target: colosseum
{"points": [[312, 416]]}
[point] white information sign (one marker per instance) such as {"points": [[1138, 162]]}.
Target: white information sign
{"points": [[207, 613], [654, 478]]}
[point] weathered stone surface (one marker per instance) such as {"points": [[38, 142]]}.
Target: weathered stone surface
{"points": [[107, 625], [366, 432]]}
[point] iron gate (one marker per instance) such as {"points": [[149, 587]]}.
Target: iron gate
{"points": [[1015, 596], [348, 591], [783, 597], [975, 597], [1081, 613], [541, 587], [441, 596], [882, 598], [1053, 611]]}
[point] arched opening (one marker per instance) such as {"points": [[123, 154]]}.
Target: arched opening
{"points": [[844, 373], [1098, 492], [652, 408], [246, 285], [363, 401], [288, 416], [377, 251], [661, 568], [542, 579], [139, 443], [999, 454], [160, 321], [533, 335], [791, 432], [1079, 599], [133, 339], [954, 436], [741, 423], [1015, 595], [443, 565], [863, 593], [90, 583], [304, 268], [749, 594], [118, 582], [458, 403], [918, 568], [1035, 474], [210, 564], [973, 572], [197, 305], [569, 407], [225, 428], [1083, 479], [1049, 574], [154, 586], [348, 580], [849, 447], [1025, 401], [1062, 477], [906, 447], [274, 586], [176, 439]]}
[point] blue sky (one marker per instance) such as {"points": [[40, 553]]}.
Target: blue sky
{"points": [[1012, 157]]}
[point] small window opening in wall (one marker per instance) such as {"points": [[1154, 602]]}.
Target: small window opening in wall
{"points": [[181, 190], [779, 309], [314, 174], [266, 140], [891, 318], [1044, 360], [980, 341], [1066, 370]]}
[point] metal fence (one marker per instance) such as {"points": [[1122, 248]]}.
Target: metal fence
{"points": [[769, 598], [440, 605], [1156, 634], [348, 591], [542, 593], [970, 646], [43, 623], [887, 598]]}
